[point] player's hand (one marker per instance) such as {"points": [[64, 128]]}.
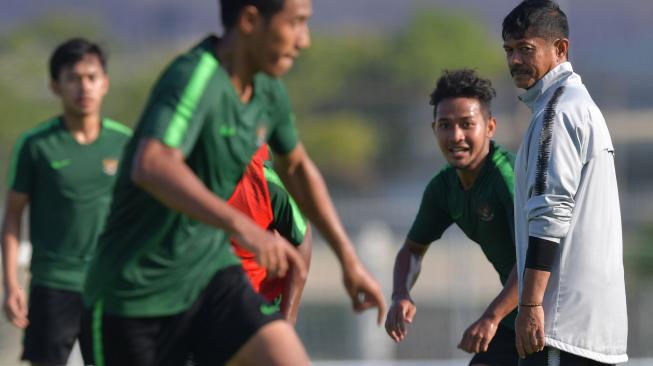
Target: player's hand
{"points": [[363, 290], [401, 314], [478, 336], [16, 306], [529, 330], [273, 252]]}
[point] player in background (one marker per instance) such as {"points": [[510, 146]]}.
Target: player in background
{"points": [[260, 195], [572, 308], [164, 282], [64, 170], [474, 191]]}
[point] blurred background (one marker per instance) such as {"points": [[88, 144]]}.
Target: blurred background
{"points": [[360, 94]]}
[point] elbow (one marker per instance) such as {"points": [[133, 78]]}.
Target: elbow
{"points": [[141, 172]]}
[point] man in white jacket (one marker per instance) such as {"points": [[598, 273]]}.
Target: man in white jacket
{"points": [[572, 308]]}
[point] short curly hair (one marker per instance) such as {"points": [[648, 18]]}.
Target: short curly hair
{"points": [[463, 83]]}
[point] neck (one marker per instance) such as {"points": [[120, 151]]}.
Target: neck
{"points": [[233, 57], [84, 129]]}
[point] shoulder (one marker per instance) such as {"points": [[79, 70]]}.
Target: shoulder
{"points": [[442, 180], [40, 131], [503, 162], [116, 128], [197, 63]]}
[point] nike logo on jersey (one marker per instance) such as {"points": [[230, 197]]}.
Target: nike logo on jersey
{"points": [[58, 164]]}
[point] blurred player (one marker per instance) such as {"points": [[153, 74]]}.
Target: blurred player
{"points": [[568, 224], [64, 170], [260, 195], [165, 282], [475, 191]]}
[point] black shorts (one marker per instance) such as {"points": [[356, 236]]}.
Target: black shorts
{"points": [[550, 356], [226, 314], [501, 351], [54, 325]]}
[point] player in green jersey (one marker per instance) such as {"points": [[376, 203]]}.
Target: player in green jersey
{"points": [[475, 191], [64, 170], [164, 281]]}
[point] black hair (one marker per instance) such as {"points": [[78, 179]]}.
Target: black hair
{"points": [[72, 51], [463, 83], [541, 18], [230, 9]]}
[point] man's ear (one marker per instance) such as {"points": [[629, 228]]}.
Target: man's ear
{"points": [[249, 19], [562, 48], [491, 126], [54, 86]]}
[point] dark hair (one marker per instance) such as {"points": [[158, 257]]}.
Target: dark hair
{"points": [[71, 52], [463, 83], [230, 9], [542, 18]]}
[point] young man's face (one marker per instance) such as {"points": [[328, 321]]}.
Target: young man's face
{"points": [[530, 58], [278, 40], [82, 86], [463, 132]]}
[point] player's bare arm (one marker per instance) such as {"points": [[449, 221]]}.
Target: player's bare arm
{"points": [[306, 185], [408, 265], [161, 171], [15, 301], [478, 336], [529, 326], [295, 284]]}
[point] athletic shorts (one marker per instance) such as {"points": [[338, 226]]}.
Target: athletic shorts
{"points": [[223, 318], [54, 325], [550, 356], [501, 351]]}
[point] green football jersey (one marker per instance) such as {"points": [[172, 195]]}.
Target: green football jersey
{"points": [[69, 188], [152, 260], [485, 212]]}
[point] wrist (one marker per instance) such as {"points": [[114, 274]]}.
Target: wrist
{"points": [[399, 296], [491, 317]]}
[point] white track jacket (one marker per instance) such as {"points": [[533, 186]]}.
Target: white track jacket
{"points": [[566, 192]]}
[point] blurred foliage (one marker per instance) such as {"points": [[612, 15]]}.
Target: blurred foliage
{"points": [[638, 254], [351, 91], [381, 78]]}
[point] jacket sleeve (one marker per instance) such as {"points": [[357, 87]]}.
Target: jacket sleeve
{"points": [[558, 169]]}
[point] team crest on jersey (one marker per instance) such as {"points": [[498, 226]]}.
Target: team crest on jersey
{"points": [[261, 134], [485, 212], [110, 166]]}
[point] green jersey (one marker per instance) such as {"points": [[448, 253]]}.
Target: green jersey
{"points": [[152, 260], [485, 212], [69, 188]]}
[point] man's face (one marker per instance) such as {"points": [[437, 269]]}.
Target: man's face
{"points": [[463, 132], [530, 58], [82, 86], [278, 40]]}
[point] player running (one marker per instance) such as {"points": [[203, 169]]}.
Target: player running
{"points": [[260, 195], [475, 191], [64, 170], [164, 282]]}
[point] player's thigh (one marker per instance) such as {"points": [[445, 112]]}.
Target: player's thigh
{"points": [[231, 315], [276, 343], [55, 321]]}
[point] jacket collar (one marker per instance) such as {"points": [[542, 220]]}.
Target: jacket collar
{"points": [[560, 72]]}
